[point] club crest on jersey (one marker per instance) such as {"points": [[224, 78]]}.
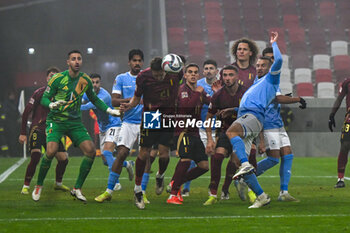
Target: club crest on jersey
{"points": [[47, 89], [65, 88], [184, 95], [151, 120]]}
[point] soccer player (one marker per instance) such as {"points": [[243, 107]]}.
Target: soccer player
{"points": [[345, 135], [223, 104], [63, 96], [276, 142], [109, 126], [123, 90], [251, 115], [37, 137], [191, 98], [210, 71], [245, 53], [158, 89]]}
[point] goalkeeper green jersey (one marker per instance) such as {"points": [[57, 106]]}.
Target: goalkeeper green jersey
{"points": [[63, 87]]}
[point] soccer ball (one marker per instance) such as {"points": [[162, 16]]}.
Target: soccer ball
{"points": [[172, 63]]}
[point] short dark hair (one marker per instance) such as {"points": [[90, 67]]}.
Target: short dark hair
{"points": [[134, 52], [252, 46], [156, 64], [53, 69], [229, 67], [266, 58], [95, 75], [191, 65], [74, 51], [210, 62], [267, 50]]}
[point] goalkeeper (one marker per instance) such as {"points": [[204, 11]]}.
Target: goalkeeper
{"points": [[63, 96]]}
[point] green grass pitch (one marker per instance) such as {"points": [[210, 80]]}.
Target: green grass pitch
{"points": [[321, 208]]}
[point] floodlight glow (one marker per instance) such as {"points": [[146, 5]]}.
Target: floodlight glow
{"points": [[31, 51], [90, 50]]}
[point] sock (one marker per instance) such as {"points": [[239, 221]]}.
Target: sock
{"points": [[239, 148], [144, 182], [139, 170], [151, 159], [44, 167], [163, 164], [194, 173], [286, 171], [179, 174], [112, 180], [342, 161], [230, 171], [34, 160], [188, 183], [215, 175], [60, 169], [84, 170], [125, 164], [253, 183], [266, 164], [252, 158], [109, 158]]}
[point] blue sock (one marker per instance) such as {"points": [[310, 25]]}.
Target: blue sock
{"points": [[112, 180], [188, 183], [266, 164], [109, 158], [286, 171], [253, 183], [144, 182], [239, 148], [125, 163]]}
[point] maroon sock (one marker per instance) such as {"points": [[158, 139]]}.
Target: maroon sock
{"points": [[179, 174], [194, 173], [230, 171], [215, 166], [151, 159], [342, 161], [139, 170], [60, 169], [252, 158], [34, 160], [163, 164]]}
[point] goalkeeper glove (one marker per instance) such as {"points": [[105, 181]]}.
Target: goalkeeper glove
{"points": [[57, 104], [113, 112], [331, 122], [302, 103]]}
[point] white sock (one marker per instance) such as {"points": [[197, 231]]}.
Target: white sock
{"points": [[109, 191], [137, 189]]}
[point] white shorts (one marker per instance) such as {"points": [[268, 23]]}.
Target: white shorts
{"points": [[129, 134], [203, 136], [251, 129], [276, 138], [111, 135]]}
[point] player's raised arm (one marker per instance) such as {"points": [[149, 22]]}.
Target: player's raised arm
{"points": [[277, 65]]}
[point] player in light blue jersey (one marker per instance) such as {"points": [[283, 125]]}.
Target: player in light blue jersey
{"points": [[123, 90], [276, 142], [109, 126], [250, 121]]}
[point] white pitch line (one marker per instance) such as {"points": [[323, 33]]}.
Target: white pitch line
{"points": [[8, 172], [201, 177], [173, 217]]}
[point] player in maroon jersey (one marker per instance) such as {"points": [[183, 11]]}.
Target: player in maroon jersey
{"points": [[37, 137], [189, 145], [159, 90], [223, 104], [245, 53], [345, 132]]}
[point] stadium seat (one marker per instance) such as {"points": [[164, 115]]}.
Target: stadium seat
{"points": [[230, 44], [337, 33], [341, 67], [285, 61], [291, 21], [300, 60], [302, 75], [250, 4], [255, 30], [305, 90], [321, 61], [286, 87], [216, 34], [323, 75], [288, 7], [285, 75], [270, 18], [176, 34], [339, 48], [261, 45], [213, 21], [296, 35], [325, 90], [234, 32], [327, 14], [281, 38], [196, 48], [317, 40]]}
